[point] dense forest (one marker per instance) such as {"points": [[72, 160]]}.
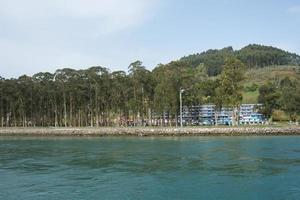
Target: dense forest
{"points": [[98, 97], [253, 56]]}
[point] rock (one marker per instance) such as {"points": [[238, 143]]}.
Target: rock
{"points": [[157, 131]]}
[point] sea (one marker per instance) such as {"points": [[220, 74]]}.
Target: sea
{"points": [[233, 168]]}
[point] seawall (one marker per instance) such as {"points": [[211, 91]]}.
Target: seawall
{"points": [[149, 131]]}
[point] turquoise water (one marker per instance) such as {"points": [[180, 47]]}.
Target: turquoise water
{"points": [[150, 168]]}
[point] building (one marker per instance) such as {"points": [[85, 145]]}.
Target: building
{"points": [[249, 114], [207, 115]]}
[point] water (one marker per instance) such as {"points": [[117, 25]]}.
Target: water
{"points": [[150, 168]]}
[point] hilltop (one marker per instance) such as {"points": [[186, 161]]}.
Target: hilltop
{"points": [[263, 64], [253, 56]]}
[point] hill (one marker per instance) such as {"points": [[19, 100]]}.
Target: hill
{"points": [[259, 76], [98, 97], [253, 56]]}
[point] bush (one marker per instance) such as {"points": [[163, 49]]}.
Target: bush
{"points": [[251, 88], [279, 116]]}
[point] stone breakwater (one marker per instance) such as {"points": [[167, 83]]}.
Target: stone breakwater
{"points": [[197, 131]]}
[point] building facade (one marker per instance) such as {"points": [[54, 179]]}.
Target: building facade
{"points": [[208, 115]]}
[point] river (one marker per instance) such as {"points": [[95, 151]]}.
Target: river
{"points": [[150, 168]]}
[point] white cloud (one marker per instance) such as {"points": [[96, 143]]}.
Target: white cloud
{"points": [[294, 9], [43, 35], [107, 16]]}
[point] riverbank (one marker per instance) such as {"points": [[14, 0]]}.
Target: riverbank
{"points": [[153, 131]]}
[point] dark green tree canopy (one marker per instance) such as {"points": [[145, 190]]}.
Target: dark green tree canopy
{"points": [[252, 56]]}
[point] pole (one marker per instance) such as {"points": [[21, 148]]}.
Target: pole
{"points": [[180, 99]]}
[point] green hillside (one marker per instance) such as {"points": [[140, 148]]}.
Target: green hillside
{"points": [[257, 77], [253, 56]]}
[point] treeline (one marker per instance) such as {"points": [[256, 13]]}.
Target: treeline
{"points": [[253, 56], [99, 97], [281, 95]]}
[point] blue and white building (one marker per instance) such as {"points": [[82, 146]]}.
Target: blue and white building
{"points": [[207, 115]]}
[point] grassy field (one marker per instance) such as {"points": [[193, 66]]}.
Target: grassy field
{"points": [[262, 75], [250, 97]]}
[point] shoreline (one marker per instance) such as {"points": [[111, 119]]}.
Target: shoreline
{"points": [[153, 131]]}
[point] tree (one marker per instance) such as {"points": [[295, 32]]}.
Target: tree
{"points": [[169, 80], [231, 87], [290, 97], [1, 100], [120, 94], [165, 94], [269, 97], [141, 82], [96, 96]]}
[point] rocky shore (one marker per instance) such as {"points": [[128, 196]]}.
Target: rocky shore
{"points": [[148, 131]]}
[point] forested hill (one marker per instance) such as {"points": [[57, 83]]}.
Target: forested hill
{"points": [[99, 97], [253, 56]]}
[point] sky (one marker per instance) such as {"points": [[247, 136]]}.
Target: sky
{"points": [[45, 35]]}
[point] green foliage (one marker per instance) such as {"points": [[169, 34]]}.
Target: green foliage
{"points": [[261, 56], [253, 56], [230, 90], [231, 82], [213, 60], [140, 81], [290, 97], [268, 96], [284, 95], [98, 97], [170, 79], [250, 97], [251, 88]]}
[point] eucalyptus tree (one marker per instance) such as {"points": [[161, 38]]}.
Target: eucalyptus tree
{"points": [[81, 89], [2, 82], [120, 95], [62, 77], [164, 97], [24, 97], [141, 89], [98, 78], [169, 80], [10, 94], [231, 86], [43, 98], [73, 93]]}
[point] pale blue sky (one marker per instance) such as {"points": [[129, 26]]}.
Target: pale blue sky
{"points": [[38, 35]]}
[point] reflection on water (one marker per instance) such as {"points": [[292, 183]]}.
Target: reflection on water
{"points": [[150, 168]]}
